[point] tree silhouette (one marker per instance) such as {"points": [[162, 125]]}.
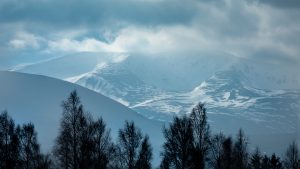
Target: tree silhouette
{"points": [[102, 144], [256, 159], [201, 133], [145, 155], [265, 163], [30, 149], [67, 144], [292, 157], [82, 142], [62, 149], [19, 147], [9, 142], [275, 162], [86, 143], [129, 141], [216, 151], [178, 146], [44, 162], [227, 156], [165, 163], [240, 152]]}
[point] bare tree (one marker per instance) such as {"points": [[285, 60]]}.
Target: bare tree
{"points": [[19, 147], [67, 143], [82, 142], [145, 155], [103, 148], [30, 149], [9, 142], [216, 151], [201, 132], [129, 141], [62, 149], [240, 151], [227, 156], [292, 157], [178, 147]]}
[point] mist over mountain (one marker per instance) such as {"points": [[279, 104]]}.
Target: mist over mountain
{"points": [[152, 62], [159, 88], [156, 86]]}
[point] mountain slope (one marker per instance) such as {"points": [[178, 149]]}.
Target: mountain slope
{"points": [[227, 95], [269, 117], [69, 65], [238, 93], [37, 99], [175, 72], [145, 83], [270, 111]]}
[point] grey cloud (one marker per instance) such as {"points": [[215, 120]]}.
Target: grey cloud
{"points": [[228, 21], [92, 12], [282, 3], [227, 25], [273, 55]]}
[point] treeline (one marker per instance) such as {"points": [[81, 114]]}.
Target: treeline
{"points": [[189, 144], [19, 147], [85, 143]]}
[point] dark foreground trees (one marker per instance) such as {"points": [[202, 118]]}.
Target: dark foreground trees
{"points": [[189, 145], [187, 141], [30, 149], [292, 157], [201, 135], [85, 143], [9, 142], [179, 144], [82, 142], [134, 150], [145, 155], [217, 151], [240, 151], [19, 147]]}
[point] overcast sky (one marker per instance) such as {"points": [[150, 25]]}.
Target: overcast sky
{"points": [[263, 29]]}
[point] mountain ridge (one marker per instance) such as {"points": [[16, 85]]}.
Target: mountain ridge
{"points": [[37, 99]]}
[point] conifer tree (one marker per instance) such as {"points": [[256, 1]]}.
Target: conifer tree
{"points": [[275, 162], [256, 159]]}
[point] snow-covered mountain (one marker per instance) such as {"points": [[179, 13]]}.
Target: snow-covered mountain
{"points": [[37, 99], [226, 94], [165, 72], [69, 65], [238, 93]]}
